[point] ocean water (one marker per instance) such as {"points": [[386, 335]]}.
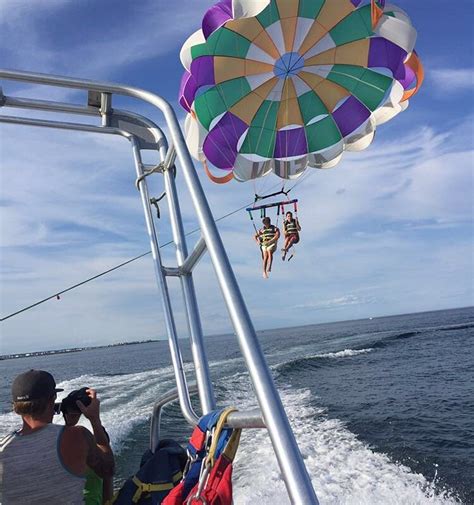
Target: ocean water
{"points": [[382, 409]]}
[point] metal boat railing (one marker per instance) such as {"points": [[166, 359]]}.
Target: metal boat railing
{"points": [[145, 135], [238, 419]]}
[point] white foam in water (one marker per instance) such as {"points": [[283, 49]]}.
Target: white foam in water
{"points": [[346, 353], [343, 354], [8, 422], [126, 400], [343, 469]]}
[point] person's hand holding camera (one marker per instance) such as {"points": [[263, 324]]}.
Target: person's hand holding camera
{"points": [[92, 410], [85, 401]]}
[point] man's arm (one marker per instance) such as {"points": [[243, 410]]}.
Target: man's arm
{"points": [[277, 235], [100, 456]]}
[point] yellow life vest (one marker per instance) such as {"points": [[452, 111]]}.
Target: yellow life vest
{"points": [[290, 227], [267, 234]]}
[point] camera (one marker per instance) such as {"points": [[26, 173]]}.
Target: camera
{"points": [[69, 406]]}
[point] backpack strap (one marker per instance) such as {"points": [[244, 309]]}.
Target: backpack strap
{"points": [[219, 442], [144, 487]]}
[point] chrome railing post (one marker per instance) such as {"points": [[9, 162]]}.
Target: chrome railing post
{"points": [[201, 364], [181, 384]]}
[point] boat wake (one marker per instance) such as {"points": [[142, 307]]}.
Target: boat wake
{"points": [[342, 468], [346, 353], [318, 359]]}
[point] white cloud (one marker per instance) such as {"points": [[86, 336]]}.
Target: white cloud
{"points": [[156, 28], [452, 80], [341, 301]]}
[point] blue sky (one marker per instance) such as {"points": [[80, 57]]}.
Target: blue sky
{"points": [[388, 231]]}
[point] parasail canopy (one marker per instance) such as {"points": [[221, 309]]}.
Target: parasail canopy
{"points": [[280, 85]]}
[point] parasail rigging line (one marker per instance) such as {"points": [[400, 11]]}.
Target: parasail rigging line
{"points": [[70, 288], [116, 267]]}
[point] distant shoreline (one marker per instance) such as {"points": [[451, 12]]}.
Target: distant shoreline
{"points": [[19, 355], [86, 348]]}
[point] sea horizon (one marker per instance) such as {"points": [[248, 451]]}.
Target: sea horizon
{"points": [[62, 350]]}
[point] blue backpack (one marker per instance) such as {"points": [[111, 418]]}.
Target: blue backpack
{"points": [[158, 474]]}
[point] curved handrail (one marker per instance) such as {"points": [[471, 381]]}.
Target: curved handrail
{"points": [[237, 419]]}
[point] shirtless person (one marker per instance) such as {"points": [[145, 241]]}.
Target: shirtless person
{"points": [[267, 237]]}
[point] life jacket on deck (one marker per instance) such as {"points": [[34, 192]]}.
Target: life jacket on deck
{"points": [[208, 475]]}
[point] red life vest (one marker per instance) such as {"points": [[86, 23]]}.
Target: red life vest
{"points": [[214, 462]]}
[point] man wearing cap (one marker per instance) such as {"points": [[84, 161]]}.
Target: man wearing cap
{"points": [[45, 463]]}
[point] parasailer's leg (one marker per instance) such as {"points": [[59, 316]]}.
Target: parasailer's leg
{"points": [[290, 241], [270, 259], [265, 258], [286, 247]]}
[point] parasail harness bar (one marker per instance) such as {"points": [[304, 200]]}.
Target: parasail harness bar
{"points": [[264, 197], [143, 134], [279, 205]]}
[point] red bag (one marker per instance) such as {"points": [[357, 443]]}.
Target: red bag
{"points": [[215, 481], [218, 488], [175, 496]]}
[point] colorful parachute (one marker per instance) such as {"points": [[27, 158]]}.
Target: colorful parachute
{"points": [[279, 85]]}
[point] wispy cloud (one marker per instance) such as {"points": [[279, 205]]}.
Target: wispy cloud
{"points": [[335, 303], [452, 80], [147, 31]]}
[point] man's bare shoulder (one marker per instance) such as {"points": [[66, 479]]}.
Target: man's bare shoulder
{"points": [[79, 433], [75, 447], [79, 429]]}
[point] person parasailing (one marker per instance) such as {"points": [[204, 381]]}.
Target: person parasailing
{"points": [[267, 238], [291, 229]]}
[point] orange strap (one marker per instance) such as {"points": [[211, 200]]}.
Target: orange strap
{"points": [[376, 13], [415, 64], [218, 180]]}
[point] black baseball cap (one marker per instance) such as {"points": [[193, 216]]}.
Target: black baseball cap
{"points": [[33, 385]]}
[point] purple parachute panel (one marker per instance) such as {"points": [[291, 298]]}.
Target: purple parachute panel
{"points": [[220, 146], [350, 115], [216, 16], [202, 70], [202, 74], [384, 53], [290, 143]]}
